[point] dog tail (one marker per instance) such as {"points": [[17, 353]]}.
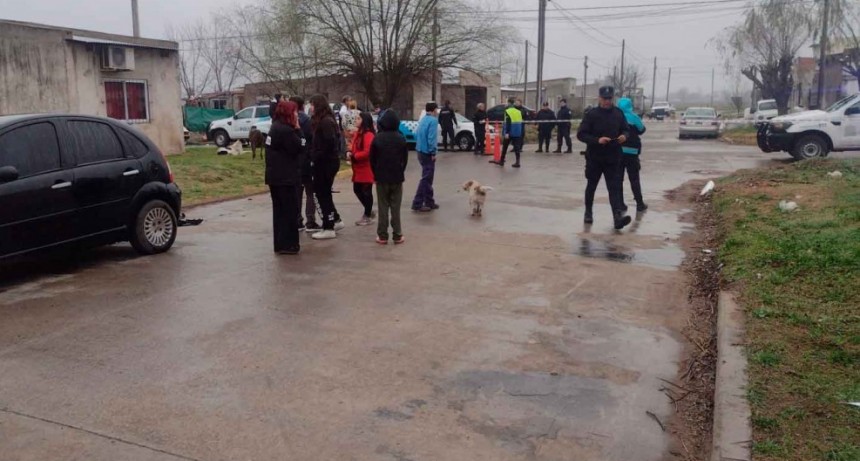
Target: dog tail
{"points": [[486, 188]]}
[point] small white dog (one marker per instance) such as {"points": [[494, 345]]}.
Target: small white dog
{"points": [[477, 195], [236, 148]]}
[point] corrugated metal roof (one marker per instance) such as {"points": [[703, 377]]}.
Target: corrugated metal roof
{"points": [[101, 41]]}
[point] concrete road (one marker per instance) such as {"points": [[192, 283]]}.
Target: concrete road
{"points": [[521, 335]]}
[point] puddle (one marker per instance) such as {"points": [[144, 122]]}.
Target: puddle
{"points": [[668, 257]]}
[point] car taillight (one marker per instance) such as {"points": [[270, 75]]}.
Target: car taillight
{"points": [[683, 122]]}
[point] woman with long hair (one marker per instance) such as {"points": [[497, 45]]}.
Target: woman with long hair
{"points": [[326, 163], [284, 148], [362, 174]]}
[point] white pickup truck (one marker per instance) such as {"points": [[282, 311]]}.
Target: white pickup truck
{"points": [[227, 130], [765, 110], [814, 133]]}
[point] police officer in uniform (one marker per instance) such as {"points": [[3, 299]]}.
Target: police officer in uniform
{"points": [[604, 130], [447, 120], [513, 131], [564, 117], [480, 121]]}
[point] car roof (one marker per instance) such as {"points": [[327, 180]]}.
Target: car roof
{"points": [[706, 108], [8, 120]]}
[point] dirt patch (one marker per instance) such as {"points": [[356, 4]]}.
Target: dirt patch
{"points": [[692, 391]]}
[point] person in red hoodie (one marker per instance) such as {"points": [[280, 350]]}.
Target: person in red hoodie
{"points": [[362, 173]]}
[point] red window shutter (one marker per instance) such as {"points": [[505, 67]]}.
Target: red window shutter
{"points": [[136, 94], [115, 100]]}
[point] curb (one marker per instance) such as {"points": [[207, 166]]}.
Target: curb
{"points": [[732, 427]]}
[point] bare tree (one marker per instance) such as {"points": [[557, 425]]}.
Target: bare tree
{"points": [[629, 79], [847, 30], [765, 44], [221, 53], [194, 74]]}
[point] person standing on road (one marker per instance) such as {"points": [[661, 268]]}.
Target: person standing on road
{"points": [[447, 120], [284, 149], [563, 117], [362, 174], [480, 121], [273, 104], [426, 142], [631, 150], [604, 130], [326, 163], [514, 132], [388, 157], [306, 187], [545, 126]]}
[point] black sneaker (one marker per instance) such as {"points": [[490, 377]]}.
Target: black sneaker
{"points": [[589, 219], [434, 206], [538, 151], [515, 165], [556, 151], [641, 207], [312, 227], [622, 222]]}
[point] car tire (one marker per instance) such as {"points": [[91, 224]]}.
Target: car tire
{"points": [[221, 138], [465, 142], [810, 146], [154, 228]]}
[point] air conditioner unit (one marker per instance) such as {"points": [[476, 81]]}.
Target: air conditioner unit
{"points": [[117, 58]]}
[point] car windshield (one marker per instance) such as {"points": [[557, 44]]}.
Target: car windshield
{"points": [[700, 112], [840, 104], [461, 119], [770, 105], [245, 113]]}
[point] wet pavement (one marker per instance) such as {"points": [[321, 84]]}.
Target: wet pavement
{"points": [[520, 335]]}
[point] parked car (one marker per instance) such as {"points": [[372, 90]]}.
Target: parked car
{"points": [[464, 133], [661, 110], [497, 113], [814, 133], [79, 179], [238, 127], [699, 122], [762, 111]]}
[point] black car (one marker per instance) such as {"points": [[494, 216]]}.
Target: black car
{"points": [[79, 179], [497, 113]]}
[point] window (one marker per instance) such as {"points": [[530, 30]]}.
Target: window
{"points": [[127, 100], [133, 146], [262, 111], [31, 149], [94, 142], [219, 103], [245, 113]]}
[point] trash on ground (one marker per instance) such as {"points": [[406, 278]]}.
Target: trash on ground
{"points": [[787, 206], [835, 174], [708, 188], [856, 404], [183, 221], [707, 252]]}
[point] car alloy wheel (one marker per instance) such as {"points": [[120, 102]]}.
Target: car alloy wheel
{"points": [[158, 227]]}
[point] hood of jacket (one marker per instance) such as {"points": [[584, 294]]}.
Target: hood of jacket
{"points": [[389, 121], [626, 105]]}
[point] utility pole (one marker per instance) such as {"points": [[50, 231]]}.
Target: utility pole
{"points": [[822, 42], [584, 84], [622, 68], [526, 77], [541, 47], [654, 83], [668, 81], [712, 87], [370, 39], [135, 19], [435, 38]]}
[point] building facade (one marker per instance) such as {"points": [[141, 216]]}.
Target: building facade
{"points": [[54, 69]]}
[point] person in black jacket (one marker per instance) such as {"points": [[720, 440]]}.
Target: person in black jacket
{"points": [[544, 115], [480, 121], [284, 146], [273, 104], [563, 117], [325, 155], [388, 157], [306, 187], [447, 121], [604, 130]]}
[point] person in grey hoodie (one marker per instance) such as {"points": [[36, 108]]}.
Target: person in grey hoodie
{"points": [[388, 157]]}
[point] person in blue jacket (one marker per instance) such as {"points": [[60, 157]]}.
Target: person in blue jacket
{"points": [[631, 150], [426, 141]]}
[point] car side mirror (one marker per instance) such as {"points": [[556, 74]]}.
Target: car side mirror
{"points": [[8, 174], [235, 117], [852, 110]]}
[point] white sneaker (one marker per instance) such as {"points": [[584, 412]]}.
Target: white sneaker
{"points": [[324, 235], [339, 225]]}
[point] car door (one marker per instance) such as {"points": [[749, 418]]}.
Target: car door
{"points": [[851, 127], [242, 123], [106, 179], [36, 208]]}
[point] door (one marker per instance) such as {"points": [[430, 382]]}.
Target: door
{"points": [[37, 207], [242, 123], [106, 179], [851, 127]]}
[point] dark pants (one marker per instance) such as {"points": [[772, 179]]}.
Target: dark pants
{"points": [[424, 194], [608, 166], [544, 137], [480, 138], [518, 147], [364, 192], [285, 217], [564, 135], [306, 188], [447, 131], [390, 196], [324, 173], [630, 164]]}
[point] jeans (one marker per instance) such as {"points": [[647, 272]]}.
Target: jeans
{"points": [[424, 194], [364, 192], [390, 196], [608, 166], [518, 147], [285, 217], [324, 172]]}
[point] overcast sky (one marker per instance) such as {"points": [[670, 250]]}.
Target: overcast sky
{"points": [[677, 35]]}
